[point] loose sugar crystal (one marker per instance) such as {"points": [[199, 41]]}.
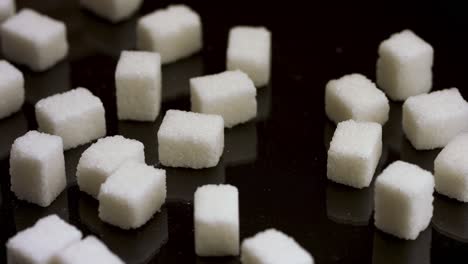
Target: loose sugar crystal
{"points": [[404, 67], [403, 200], [138, 83], [38, 244], [431, 120], [216, 217], [273, 247], [174, 32], [132, 195], [86, 251], [355, 97], [190, 140], [34, 40], [37, 168], [451, 169], [249, 50], [102, 158], [77, 116], [230, 94], [354, 153], [112, 10], [11, 89]]}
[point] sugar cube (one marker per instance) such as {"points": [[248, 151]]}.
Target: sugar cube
{"points": [[131, 195], [431, 120], [88, 250], [404, 66], [355, 97], [11, 89], [76, 115], [249, 50], [112, 10], [230, 94], [273, 247], [450, 170], [216, 217], [38, 244], [174, 32], [37, 168], [7, 9], [102, 158], [354, 153], [138, 84], [34, 40], [403, 200], [190, 140]]}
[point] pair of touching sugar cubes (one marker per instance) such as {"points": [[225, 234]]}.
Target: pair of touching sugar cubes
{"points": [[52, 240], [403, 192]]}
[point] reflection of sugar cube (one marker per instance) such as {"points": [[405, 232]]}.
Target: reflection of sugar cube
{"points": [[112, 10]]}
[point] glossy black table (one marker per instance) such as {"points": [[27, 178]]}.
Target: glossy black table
{"points": [[278, 162]]}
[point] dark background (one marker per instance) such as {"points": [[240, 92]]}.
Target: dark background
{"points": [[278, 162]]}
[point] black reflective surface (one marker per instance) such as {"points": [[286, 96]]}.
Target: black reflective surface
{"points": [[278, 162]]}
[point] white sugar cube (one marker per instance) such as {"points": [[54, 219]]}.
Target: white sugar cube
{"points": [[355, 97], [76, 115], [230, 94], [11, 89], [38, 244], [102, 158], [88, 250], [216, 217], [37, 168], [431, 120], [273, 247], [403, 200], [7, 9], [132, 195], [112, 10], [404, 66], [174, 32], [34, 40], [249, 50], [138, 84], [190, 140], [354, 153], [451, 171]]}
